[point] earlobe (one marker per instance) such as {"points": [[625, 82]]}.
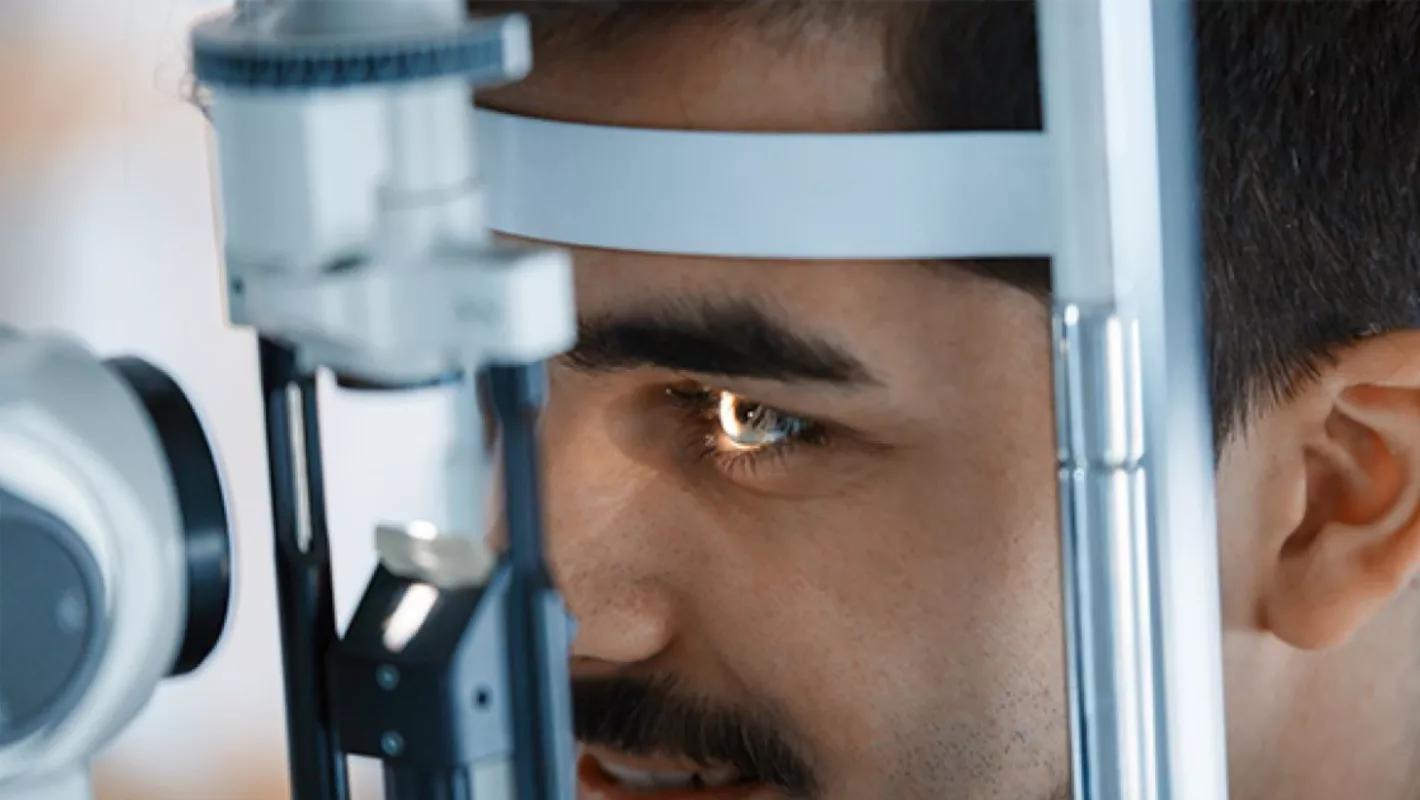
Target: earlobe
{"points": [[1358, 541]]}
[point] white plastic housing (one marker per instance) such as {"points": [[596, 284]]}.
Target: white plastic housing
{"points": [[77, 444], [354, 227], [298, 172]]}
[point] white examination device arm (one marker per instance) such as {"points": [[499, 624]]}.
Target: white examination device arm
{"points": [[355, 242], [115, 560]]}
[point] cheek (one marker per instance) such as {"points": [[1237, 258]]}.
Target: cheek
{"points": [[925, 602]]}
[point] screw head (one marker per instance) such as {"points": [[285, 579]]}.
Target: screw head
{"points": [[391, 743], [387, 676]]}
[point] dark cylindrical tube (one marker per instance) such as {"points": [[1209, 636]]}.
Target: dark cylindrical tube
{"points": [[303, 580], [536, 618]]}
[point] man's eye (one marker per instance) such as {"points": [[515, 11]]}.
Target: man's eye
{"points": [[747, 425], [743, 435]]}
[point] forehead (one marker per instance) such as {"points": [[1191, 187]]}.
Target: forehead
{"points": [[713, 70]]}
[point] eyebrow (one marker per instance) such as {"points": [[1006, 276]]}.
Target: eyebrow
{"points": [[733, 339]]}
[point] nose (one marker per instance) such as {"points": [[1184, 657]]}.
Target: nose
{"points": [[624, 614], [611, 567], [619, 623]]}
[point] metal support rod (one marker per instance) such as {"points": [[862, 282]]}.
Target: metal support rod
{"points": [[303, 580], [1138, 531], [536, 619], [1179, 424]]}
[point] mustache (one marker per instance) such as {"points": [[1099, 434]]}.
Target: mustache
{"points": [[651, 717]]}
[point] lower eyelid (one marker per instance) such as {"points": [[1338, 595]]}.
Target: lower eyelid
{"points": [[749, 464]]}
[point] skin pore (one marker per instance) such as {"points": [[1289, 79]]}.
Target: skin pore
{"points": [[820, 497]]}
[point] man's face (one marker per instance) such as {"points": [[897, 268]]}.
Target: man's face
{"points": [[804, 512]]}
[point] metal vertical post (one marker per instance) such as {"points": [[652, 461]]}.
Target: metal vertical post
{"points": [[1138, 536], [303, 580], [537, 623], [1180, 426]]}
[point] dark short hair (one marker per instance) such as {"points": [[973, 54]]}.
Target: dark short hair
{"points": [[1310, 152]]}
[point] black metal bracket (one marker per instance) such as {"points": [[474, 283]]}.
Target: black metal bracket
{"points": [[419, 681]]}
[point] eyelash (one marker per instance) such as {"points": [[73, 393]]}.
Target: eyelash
{"points": [[703, 406]]}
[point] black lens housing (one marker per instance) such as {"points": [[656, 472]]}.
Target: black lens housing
{"points": [[201, 505]]}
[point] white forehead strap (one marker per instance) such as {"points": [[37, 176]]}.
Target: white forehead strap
{"points": [[768, 195]]}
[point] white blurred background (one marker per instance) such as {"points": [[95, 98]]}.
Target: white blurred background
{"points": [[107, 233]]}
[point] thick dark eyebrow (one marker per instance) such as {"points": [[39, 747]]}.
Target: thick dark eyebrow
{"points": [[733, 339]]}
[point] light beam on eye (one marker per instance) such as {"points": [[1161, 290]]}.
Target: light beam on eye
{"points": [[730, 422]]}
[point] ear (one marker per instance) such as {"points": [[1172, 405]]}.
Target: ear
{"points": [[1353, 539]]}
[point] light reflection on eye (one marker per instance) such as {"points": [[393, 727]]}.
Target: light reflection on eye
{"points": [[743, 437], [747, 425]]}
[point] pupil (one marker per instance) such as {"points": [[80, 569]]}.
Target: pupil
{"points": [[747, 413]]}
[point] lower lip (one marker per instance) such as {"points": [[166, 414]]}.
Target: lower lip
{"points": [[596, 784]]}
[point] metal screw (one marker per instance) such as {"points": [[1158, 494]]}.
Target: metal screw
{"points": [[387, 677], [391, 743]]}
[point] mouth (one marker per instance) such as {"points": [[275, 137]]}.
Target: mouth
{"points": [[608, 775]]}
